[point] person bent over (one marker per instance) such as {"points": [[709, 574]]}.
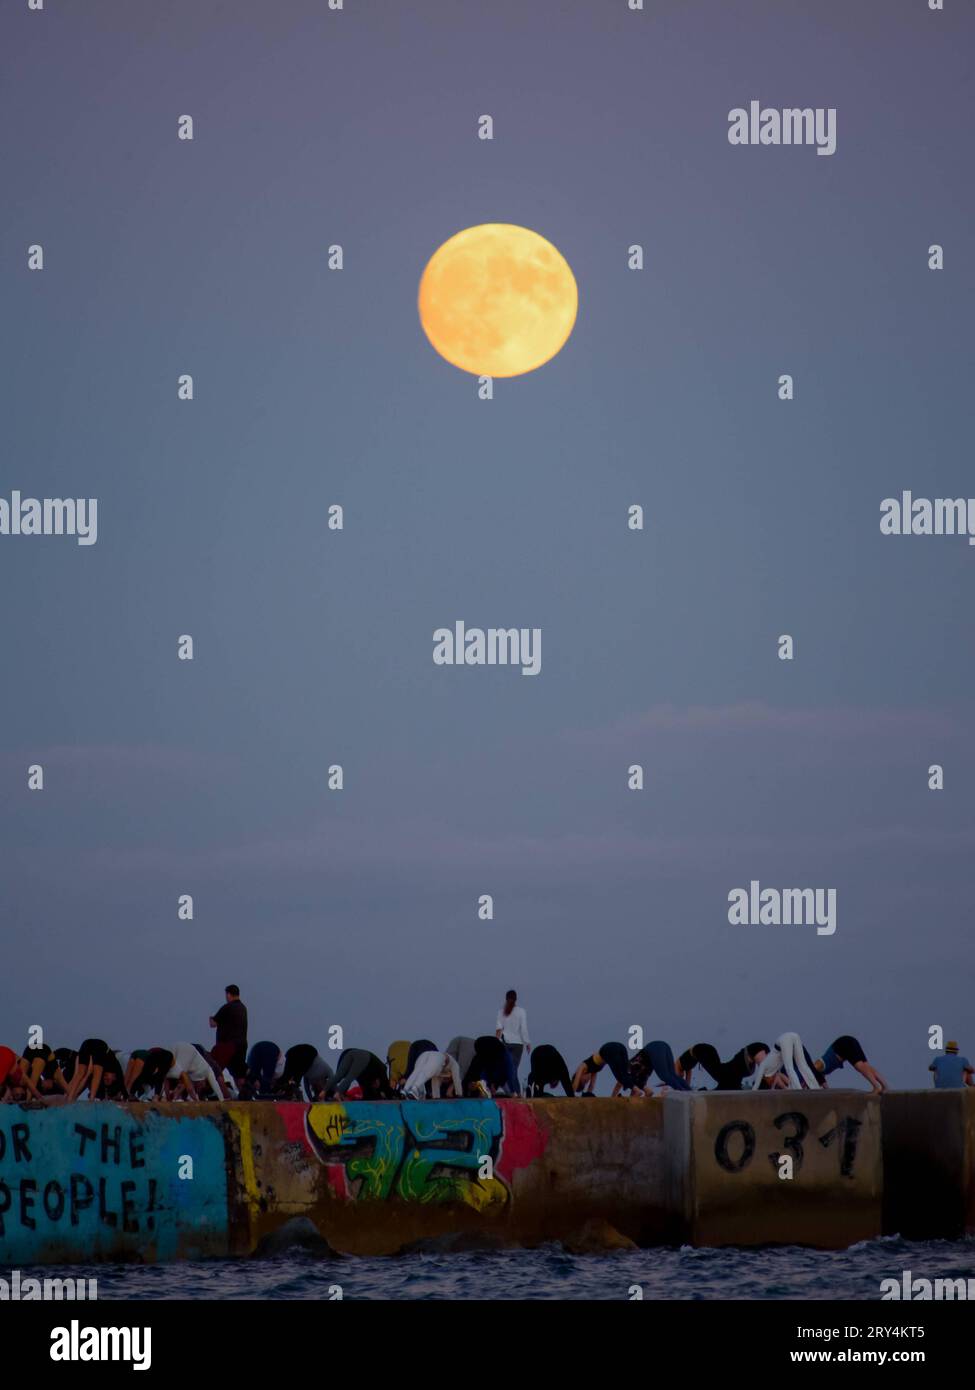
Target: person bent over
{"points": [[462, 1050], [303, 1063], [548, 1068], [97, 1065], [15, 1080], [149, 1069], [727, 1076], [265, 1064], [615, 1056], [491, 1068], [790, 1057], [358, 1065], [848, 1050], [417, 1049], [190, 1074], [40, 1065], [657, 1057], [432, 1068]]}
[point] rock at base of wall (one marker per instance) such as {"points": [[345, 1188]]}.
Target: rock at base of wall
{"points": [[596, 1238], [297, 1234]]}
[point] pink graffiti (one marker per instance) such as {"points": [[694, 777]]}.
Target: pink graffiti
{"points": [[523, 1139]]}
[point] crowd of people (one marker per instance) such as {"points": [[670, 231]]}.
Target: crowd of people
{"points": [[484, 1066]]}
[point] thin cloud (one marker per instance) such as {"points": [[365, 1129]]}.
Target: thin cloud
{"points": [[755, 716]]}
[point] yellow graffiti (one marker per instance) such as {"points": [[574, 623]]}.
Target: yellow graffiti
{"points": [[241, 1118], [484, 1193], [329, 1121]]}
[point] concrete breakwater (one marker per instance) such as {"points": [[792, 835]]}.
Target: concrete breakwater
{"points": [[156, 1182]]}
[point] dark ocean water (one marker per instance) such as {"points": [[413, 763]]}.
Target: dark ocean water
{"points": [[788, 1272]]}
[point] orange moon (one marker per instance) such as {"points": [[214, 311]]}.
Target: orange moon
{"points": [[498, 300]]}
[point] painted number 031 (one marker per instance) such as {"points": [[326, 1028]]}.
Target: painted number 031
{"points": [[734, 1148]]}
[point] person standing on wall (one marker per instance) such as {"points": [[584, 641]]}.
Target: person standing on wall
{"points": [[513, 1031], [230, 1048]]}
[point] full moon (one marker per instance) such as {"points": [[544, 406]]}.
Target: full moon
{"points": [[497, 300]]}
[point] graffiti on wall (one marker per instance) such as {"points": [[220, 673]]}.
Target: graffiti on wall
{"points": [[424, 1151], [735, 1144], [96, 1181]]}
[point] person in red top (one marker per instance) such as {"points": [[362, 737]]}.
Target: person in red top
{"points": [[15, 1081]]}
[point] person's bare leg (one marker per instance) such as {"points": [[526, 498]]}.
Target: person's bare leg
{"points": [[873, 1076], [97, 1073], [189, 1087], [28, 1081], [79, 1079], [133, 1071]]}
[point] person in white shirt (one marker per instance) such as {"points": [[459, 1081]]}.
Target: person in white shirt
{"points": [[513, 1031], [190, 1070], [433, 1067]]}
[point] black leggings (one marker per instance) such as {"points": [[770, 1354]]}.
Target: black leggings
{"points": [[297, 1060], [660, 1057], [548, 1069], [616, 1057]]}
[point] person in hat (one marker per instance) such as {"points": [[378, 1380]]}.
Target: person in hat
{"points": [[952, 1070]]}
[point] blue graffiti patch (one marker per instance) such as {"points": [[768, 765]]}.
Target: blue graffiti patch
{"points": [[416, 1150], [93, 1181]]}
